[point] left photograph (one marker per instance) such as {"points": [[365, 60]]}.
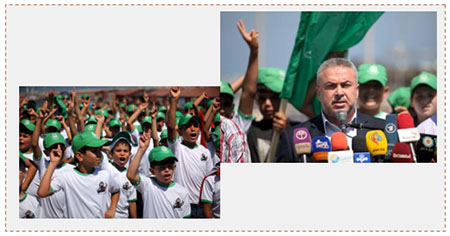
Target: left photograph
{"points": [[128, 152]]}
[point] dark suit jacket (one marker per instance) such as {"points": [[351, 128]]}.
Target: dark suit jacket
{"points": [[286, 149]]}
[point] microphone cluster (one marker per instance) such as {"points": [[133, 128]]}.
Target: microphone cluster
{"points": [[400, 141]]}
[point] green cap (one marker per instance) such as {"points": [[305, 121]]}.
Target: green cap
{"points": [[62, 106], [186, 118], [400, 97], [162, 109], [121, 136], [53, 138], [103, 112], [272, 78], [122, 105], [225, 87], [164, 134], [28, 124], [85, 96], [130, 107], [188, 105], [53, 123], [216, 118], [92, 120], [178, 114], [160, 115], [88, 139], [147, 119], [160, 153], [90, 128], [369, 72], [424, 78], [114, 122]]}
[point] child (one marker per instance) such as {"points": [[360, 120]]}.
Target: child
{"points": [[31, 182], [163, 198], [52, 206], [423, 96], [121, 153], [28, 206], [194, 160], [372, 80], [210, 194], [89, 192]]}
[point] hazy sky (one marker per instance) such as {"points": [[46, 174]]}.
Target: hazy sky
{"points": [[397, 39]]}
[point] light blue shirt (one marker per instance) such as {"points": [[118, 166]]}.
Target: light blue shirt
{"points": [[331, 128]]}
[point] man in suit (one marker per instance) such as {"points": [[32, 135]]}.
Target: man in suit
{"points": [[337, 89]]}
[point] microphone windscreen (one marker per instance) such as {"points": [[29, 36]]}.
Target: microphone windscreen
{"points": [[339, 141], [390, 129], [359, 144], [302, 141], [321, 145], [341, 116], [401, 153], [405, 121], [426, 148], [376, 143]]}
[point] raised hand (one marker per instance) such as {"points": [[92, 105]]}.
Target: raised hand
{"points": [[61, 119], [73, 93], [100, 118], [56, 154], [154, 111], [216, 104], [175, 92], [251, 38], [146, 97], [144, 141]]}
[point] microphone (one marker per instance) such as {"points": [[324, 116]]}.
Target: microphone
{"points": [[407, 132], [376, 144], [426, 148], [401, 153], [390, 129], [340, 153], [341, 116], [360, 152], [361, 126], [302, 143], [321, 146]]}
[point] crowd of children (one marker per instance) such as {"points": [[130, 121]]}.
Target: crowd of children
{"points": [[82, 157]]}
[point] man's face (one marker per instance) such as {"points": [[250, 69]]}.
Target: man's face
{"points": [[91, 158], [371, 95], [337, 90], [226, 105], [269, 103], [424, 102], [159, 124]]}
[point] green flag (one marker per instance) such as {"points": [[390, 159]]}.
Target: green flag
{"points": [[320, 33]]}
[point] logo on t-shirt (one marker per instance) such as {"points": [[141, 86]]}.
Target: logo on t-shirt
{"points": [[126, 186], [29, 214], [178, 203], [204, 157], [101, 187]]}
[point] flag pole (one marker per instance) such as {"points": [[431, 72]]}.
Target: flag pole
{"points": [[276, 134]]}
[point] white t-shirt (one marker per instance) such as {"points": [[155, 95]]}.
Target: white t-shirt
{"points": [[127, 191], [193, 165], [52, 206], [28, 207], [87, 195], [163, 201], [211, 194], [243, 121]]}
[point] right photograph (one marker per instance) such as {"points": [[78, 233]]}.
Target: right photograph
{"points": [[328, 87]]}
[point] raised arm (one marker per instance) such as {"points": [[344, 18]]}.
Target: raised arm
{"points": [[155, 137], [37, 152], [135, 115], [251, 76], [197, 101], [237, 84], [215, 107], [66, 128], [100, 121], [132, 174], [171, 121], [44, 187]]}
